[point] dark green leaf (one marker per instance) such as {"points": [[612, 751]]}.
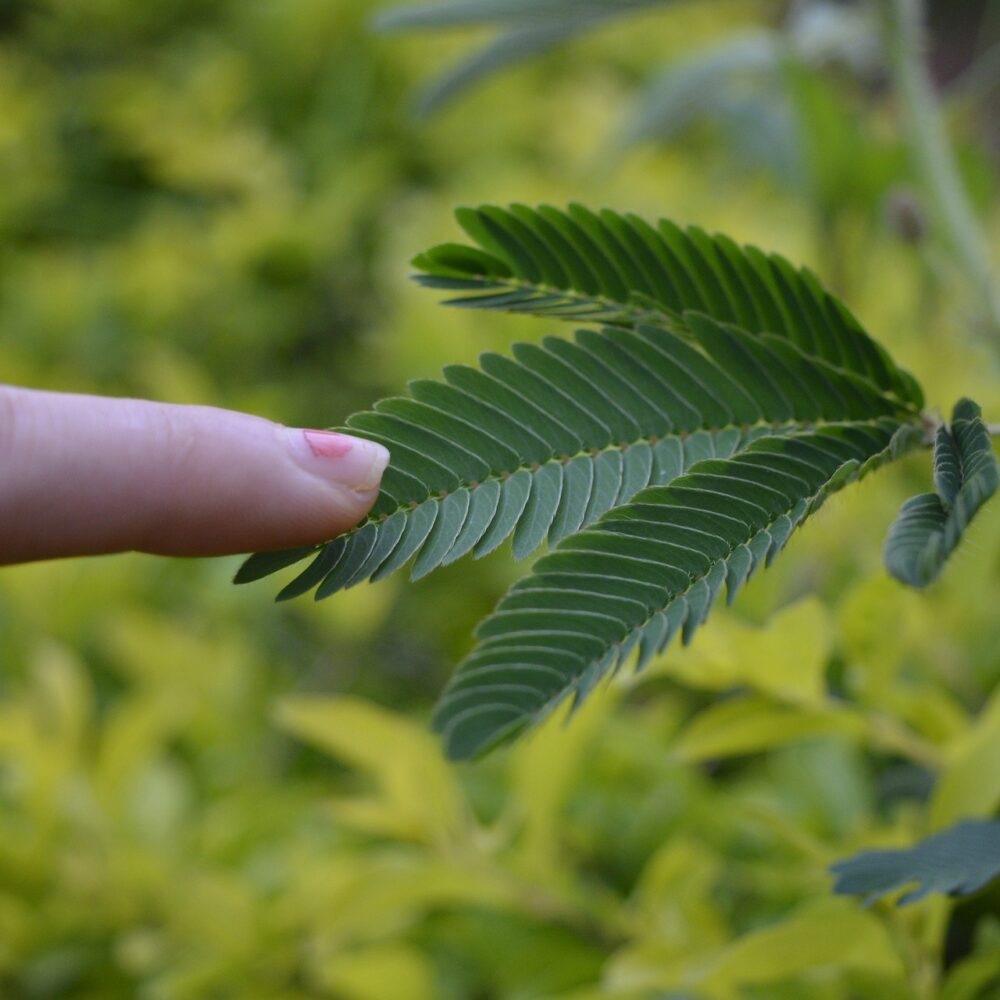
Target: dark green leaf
{"points": [[958, 861], [930, 526], [664, 557], [618, 269]]}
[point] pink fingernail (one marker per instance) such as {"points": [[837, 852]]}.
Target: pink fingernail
{"points": [[347, 460], [329, 444]]}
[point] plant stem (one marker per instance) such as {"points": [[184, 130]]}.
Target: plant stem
{"points": [[934, 156]]}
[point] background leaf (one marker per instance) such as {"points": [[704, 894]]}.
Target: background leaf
{"points": [[701, 83], [462, 12], [528, 29], [957, 861]]}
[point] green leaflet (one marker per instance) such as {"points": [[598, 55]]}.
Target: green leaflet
{"points": [[958, 861], [646, 571], [480, 457], [265, 563], [618, 269], [496, 509], [930, 526]]}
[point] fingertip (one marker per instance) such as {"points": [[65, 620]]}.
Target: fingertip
{"points": [[325, 484], [305, 486], [88, 475]]}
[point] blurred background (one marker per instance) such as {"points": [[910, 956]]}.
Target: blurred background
{"points": [[205, 795]]}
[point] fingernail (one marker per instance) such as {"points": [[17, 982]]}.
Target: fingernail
{"points": [[346, 460]]}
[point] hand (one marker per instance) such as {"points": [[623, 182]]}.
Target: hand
{"points": [[82, 475]]}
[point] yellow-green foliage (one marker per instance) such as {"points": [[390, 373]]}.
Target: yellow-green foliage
{"points": [[206, 796]]}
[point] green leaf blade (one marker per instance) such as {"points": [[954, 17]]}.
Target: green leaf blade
{"points": [[619, 269], [668, 559]]}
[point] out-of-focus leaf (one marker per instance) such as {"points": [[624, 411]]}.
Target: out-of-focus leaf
{"points": [[551, 956], [132, 740], [363, 895], [979, 81], [831, 32], [874, 658], [418, 797], [64, 699], [824, 933], [969, 786], [698, 84], [394, 970], [46, 731], [845, 164], [861, 633], [674, 900], [466, 12], [524, 41], [543, 771], [750, 724], [830, 933], [528, 28], [740, 86], [786, 658], [958, 861], [607, 993], [762, 128]]}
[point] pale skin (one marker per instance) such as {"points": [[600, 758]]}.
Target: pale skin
{"points": [[87, 475]]}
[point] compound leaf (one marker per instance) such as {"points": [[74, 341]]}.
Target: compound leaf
{"points": [[958, 861], [930, 526], [663, 457]]}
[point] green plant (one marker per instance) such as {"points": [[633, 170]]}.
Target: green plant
{"points": [[664, 456], [959, 861], [765, 89]]}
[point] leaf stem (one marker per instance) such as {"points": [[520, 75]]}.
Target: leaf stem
{"points": [[934, 156]]}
